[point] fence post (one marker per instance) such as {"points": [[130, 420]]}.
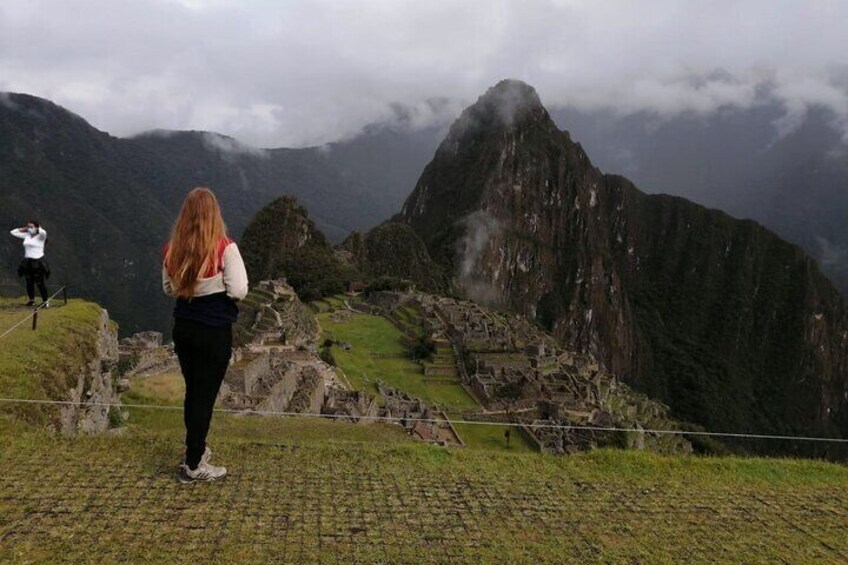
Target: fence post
{"points": [[34, 319], [65, 294]]}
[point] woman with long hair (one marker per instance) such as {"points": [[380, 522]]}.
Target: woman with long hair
{"points": [[33, 266], [204, 270]]}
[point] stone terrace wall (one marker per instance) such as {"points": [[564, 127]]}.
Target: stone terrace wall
{"points": [[94, 386]]}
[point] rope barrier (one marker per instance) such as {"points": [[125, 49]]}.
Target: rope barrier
{"points": [[395, 419], [31, 314]]}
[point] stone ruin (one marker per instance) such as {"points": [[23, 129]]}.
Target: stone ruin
{"points": [[144, 354], [142, 340], [275, 381], [277, 368], [515, 369], [470, 324], [411, 411], [272, 315], [353, 406]]}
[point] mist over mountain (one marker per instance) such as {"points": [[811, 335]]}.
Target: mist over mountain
{"points": [[731, 326], [125, 192], [754, 162], [747, 162], [789, 174]]}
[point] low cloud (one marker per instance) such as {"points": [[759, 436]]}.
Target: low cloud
{"points": [[309, 73], [799, 94], [229, 146]]}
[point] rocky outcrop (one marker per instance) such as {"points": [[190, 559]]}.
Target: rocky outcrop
{"points": [[720, 319], [393, 249], [94, 387], [282, 242]]}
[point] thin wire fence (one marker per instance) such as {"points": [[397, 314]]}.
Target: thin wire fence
{"points": [[34, 314], [402, 420]]}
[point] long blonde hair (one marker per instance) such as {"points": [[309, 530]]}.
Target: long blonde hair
{"points": [[193, 249]]}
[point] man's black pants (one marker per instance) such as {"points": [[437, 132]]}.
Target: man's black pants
{"points": [[204, 353]]}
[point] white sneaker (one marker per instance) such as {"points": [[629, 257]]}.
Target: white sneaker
{"points": [[204, 472], [207, 453]]}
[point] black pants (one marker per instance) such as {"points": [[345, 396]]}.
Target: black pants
{"points": [[34, 273], [204, 353]]}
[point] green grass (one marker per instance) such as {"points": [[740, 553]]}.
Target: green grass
{"points": [[370, 335], [336, 301], [328, 304], [318, 306], [44, 363], [374, 334], [313, 490], [477, 436], [115, 499], [410, 320]]}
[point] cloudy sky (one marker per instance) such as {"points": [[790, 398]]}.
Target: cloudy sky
{"points": [[277, 73]]}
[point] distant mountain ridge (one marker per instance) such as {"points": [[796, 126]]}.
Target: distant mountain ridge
{"points": [[108, 203], [732, 159], [732, 327], [743, 161]]}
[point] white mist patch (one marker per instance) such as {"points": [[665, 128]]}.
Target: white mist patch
{"points": [[229, 146], [161, 133], [513, 96], [480, 229], [436, 111], [830, 253], [505, 101], [799, 94], [7, 102]]}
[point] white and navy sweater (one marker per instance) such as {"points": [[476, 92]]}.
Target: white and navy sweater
{"points": [[216, 293]]}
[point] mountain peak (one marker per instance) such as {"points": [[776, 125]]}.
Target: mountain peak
{"points": [[505, 105], [510, 96]]}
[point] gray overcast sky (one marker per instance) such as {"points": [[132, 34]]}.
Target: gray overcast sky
{"points": [[277, 73]]}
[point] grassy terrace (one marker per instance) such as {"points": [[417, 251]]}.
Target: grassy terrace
{"points": [[312, 490], [115, 498], [43, 363], [327, 303], [167, 389], [377, 353]]}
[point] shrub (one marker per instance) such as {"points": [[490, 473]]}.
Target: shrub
{"points": [[326, 356], [422, 348]]}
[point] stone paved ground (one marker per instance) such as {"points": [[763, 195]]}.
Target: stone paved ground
{"points": [[116, 499]]}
